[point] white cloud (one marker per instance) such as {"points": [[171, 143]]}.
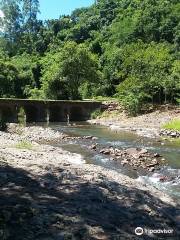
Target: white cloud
{"points": [[1, 14]]}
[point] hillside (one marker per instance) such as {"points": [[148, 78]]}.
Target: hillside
{"points": [[115, 48]]}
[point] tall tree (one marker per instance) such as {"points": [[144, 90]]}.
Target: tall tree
{"points": [[12, 20], [30, 10]]}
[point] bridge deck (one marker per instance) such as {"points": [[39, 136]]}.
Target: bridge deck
{"points": [[46, 101], [53, 110]]}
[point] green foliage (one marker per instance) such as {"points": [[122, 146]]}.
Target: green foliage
{"points": [[148, 72], [70, 67], [24, 145], [35, 93], [20, 24], [128, 49], [132, 102], [17, 74], [97, 113], [30, 9], [173, 125], [22, 117], [101, 98]]}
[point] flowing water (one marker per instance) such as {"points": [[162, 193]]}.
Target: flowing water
{"points": [[106, 137]]}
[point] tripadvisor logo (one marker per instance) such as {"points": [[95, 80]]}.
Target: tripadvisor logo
{"points": [[140, 231]]}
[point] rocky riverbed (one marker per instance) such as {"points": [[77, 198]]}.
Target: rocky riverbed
{"points": [[170, 133], [146, 125], [136, 158], [48, 193]]}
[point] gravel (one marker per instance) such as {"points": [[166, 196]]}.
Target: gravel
{"points": [[49, 193]]}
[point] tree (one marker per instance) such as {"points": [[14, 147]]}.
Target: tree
{"points": [[30, 10], [8, 79], [125, 47], [20, 24], [11, 23], [147, 71], [68, 69]]}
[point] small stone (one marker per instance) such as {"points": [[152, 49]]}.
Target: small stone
{"points": [[93, 147], [124, 162], [157, 155], [105, 151], [154, 162], [94, 138], [88, 137], [151, 169], [143, 151]]}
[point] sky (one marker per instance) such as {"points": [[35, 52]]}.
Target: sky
{"points": [[52, 9]]}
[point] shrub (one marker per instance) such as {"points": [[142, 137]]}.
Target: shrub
{"points": [[132, 103], [22, 117], [97, 113]]}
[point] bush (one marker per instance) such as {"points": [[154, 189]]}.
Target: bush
{"points": [[22, 117], [97, 113], [132, 103]]}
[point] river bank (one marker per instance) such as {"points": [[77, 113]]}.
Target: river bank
{"points": [[49, 193], [147, 125]]}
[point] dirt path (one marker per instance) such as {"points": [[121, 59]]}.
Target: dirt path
{"points": [[49, 194]]}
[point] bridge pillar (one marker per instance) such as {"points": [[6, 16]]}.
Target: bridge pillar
{"points": [[8, 113], [41, 113], [47, 115], [56, 113], [44, 111]]}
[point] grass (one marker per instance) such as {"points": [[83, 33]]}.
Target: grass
{"points": [[173, 125], [97, 114], [100, 98], [24, 145], [176, 141], [111, 114]]}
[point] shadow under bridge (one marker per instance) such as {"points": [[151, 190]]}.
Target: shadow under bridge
{"points": [[44, 111]]}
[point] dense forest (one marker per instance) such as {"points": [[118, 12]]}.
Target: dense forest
{"points": [[127, 49]]}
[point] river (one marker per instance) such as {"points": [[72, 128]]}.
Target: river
{"points": [[123, 139]]}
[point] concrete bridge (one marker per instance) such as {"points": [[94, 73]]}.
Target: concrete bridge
{"points": [[51, 110]]}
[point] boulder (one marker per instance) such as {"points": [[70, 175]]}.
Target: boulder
{"points": [[94, 138]]}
